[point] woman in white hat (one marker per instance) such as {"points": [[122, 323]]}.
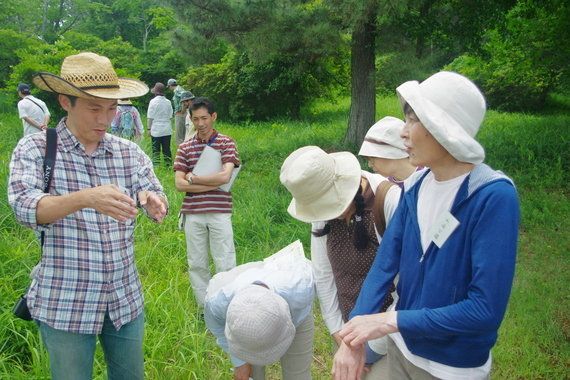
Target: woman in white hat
{"points": [[261, 313], [337, 197], [384, 149], [452, 240]]}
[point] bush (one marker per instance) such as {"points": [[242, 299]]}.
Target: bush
{"points": [[523, 62], [243, 89]]}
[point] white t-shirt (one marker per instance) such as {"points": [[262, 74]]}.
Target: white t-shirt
{"points": [[434, 198], [36, 111], [160, 111]]}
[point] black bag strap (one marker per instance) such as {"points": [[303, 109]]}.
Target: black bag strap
{"points": [[49, 163]]}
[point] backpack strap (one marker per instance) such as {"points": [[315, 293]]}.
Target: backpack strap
{"points": [[49, 163], [378, 209]]}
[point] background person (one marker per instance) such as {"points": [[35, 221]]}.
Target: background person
{"points": [[179, 113], [453, 241], [186, 101], [385, 151], [261, 312], [206, 212], [127, 122], [33, 111], [159, 116], [338, 198], [87, 285]]}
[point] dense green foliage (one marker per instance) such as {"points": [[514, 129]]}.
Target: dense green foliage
{"points": [[264, 59]]}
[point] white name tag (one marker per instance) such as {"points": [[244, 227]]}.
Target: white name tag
{"points": [[443, 228]]}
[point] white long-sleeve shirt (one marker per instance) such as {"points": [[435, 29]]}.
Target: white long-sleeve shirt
{"points": [[287, 273]]}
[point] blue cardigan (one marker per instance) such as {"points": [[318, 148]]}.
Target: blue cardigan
{"points": [[452, 303]]}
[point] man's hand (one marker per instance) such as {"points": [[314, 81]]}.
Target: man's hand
{"points": [[363, 328], [111, 201], [243, 372], [154, 205], [348, 363]]}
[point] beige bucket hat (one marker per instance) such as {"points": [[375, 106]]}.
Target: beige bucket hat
{"points": [[88, 75], [383, 140], [322, 184], [451, 108], [259, 328]]}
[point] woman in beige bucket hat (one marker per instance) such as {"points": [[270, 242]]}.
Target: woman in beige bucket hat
{"points": [[452, 242], [338, 198]]}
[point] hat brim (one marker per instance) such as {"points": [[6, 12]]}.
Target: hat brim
{"points": [[444, 128], [369, 149], [347, 180], [127, 88]]}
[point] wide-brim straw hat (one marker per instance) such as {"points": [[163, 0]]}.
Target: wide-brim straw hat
{"points": [[383, 140], [451, 108], [259, 327], [322, 184], [88, 75]]}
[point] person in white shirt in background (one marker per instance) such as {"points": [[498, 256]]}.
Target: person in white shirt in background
{"points": [[33, 111], [159, 118], [261, 312], [385, 151]]}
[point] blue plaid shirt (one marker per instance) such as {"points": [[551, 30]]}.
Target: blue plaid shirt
{"points": [[87, 265]]}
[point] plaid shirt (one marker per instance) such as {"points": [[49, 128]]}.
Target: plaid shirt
{"points": [[87, 265]]}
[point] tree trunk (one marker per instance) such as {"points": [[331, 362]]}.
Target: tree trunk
{"points": [[363, 83]]}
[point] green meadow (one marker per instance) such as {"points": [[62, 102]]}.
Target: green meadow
{"points": [[534, 149]]}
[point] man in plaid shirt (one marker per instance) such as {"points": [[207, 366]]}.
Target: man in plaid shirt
{"points": [[87, 285]]}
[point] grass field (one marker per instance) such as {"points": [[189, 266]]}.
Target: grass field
{"points": [[534, 338]]}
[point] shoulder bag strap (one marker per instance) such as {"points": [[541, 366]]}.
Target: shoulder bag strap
{"points": [[49, 163], [43, 111], [378, 209]]}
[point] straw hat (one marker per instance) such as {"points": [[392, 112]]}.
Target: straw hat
{"points": [[88, 75], [451, 108], [383, 140], [322, 185], [259, 328]]}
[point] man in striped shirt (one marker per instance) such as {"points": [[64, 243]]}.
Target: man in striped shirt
{"points": [[206, 210]]}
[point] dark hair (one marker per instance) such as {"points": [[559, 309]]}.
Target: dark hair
{"points": [[202, 102], [409, 111], [359, 236]]}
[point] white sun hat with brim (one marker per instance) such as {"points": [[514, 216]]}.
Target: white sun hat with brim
{"points": [[451, 108], [383, 140], [322, 184], [88, 75], [259, 328]]}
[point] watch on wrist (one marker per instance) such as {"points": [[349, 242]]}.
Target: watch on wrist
{"points": [[189, 180]]}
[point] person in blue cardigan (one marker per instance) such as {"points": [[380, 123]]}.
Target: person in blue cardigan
{"points": [[452, 240]]}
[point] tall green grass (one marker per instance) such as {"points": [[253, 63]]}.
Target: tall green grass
{"points": [[534, 338]]}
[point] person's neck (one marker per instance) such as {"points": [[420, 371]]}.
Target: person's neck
{"points": [[207, 136], [451, 169], [404, 170]]}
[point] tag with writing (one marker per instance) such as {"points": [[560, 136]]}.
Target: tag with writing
{"points": [[443, 228]]}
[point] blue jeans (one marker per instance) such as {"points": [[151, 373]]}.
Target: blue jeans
{"points": [[71, 355]]}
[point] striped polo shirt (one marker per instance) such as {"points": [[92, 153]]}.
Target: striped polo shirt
{"points": [[214, 201]]}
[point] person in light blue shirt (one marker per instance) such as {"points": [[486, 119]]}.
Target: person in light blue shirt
{"points": [[261, 312]]}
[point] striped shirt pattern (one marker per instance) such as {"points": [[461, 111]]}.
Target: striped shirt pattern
{"points": [[87, 266], [214, 201]]}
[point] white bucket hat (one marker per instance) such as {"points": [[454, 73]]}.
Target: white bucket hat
{"points": [[383, 140], [451, 108], [259, 328], [88, 75], [322, 185]]}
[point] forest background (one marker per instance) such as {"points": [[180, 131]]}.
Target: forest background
{"points": [[289, 73]]}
